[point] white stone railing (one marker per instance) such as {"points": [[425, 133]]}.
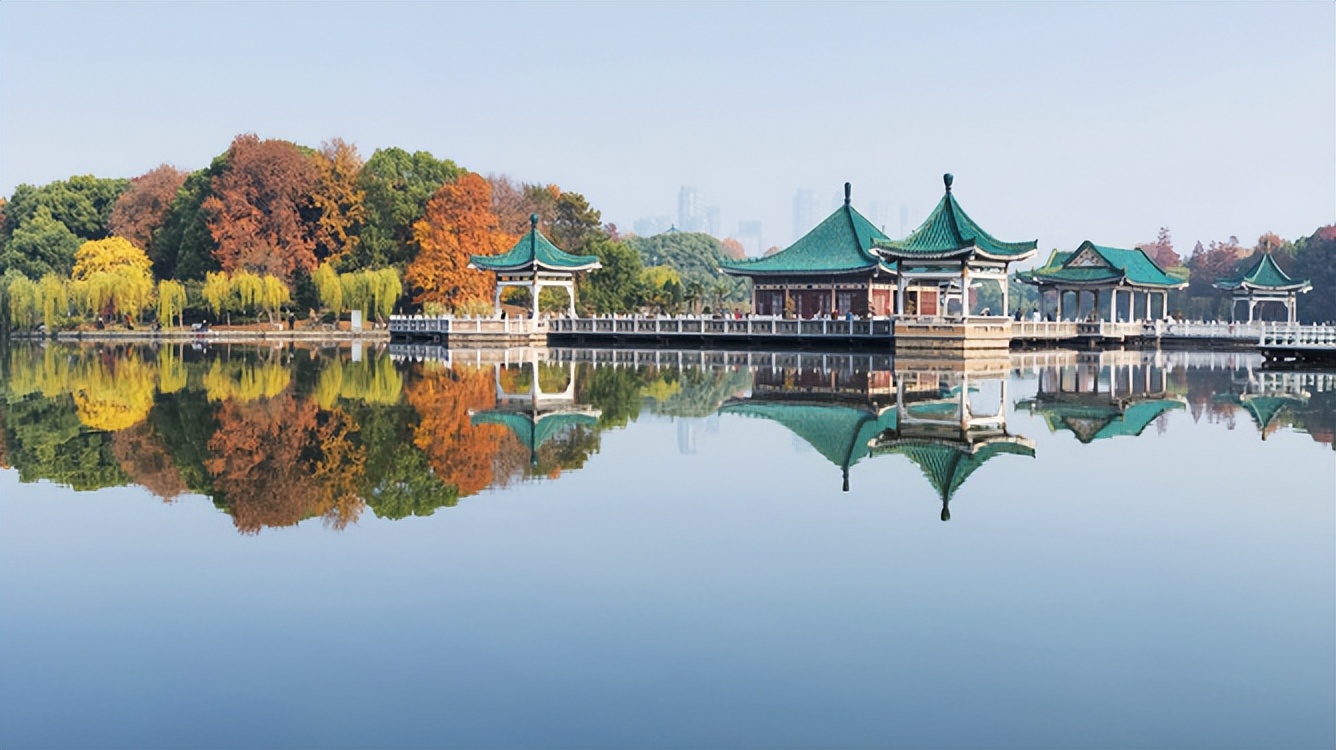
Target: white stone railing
{"points": [[1298, 336], [446, 324], [755, 326], [1044, 329]]}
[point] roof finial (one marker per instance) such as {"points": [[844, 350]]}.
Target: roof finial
{"points": [[847, 190], [533, 221], [948, 179]]}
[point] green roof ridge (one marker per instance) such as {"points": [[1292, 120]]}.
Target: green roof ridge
{"points": [[1121, 264], [949, 232], [840, 243], [534, 247], [1266, 273]]}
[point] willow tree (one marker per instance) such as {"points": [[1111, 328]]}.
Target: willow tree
{"points": [[274, 294], [247, 290], [22, 295], [329, 287], [217, 292], [113, 278], [54, 294], [171, 301]]}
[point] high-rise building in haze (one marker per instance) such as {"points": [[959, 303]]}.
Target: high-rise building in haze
{"points": [[689, 215], [749, 234], [804, 212], [648, 226], [712, 222]]}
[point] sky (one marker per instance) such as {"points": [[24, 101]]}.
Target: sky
{"points": [[1060, 121]]}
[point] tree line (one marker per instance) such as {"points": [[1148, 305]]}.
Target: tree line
{"points": [[272, 230]]}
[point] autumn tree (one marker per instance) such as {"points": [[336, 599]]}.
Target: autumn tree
{"points": [[460, 452], [258, 213], [142, 209], [398, 186], [339, 198], [731, 248], [1162, 250], [458, 222], [113, 278]]}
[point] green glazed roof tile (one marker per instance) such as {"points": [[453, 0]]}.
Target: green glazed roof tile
{"points": [[1264, 274], [533, 245], [949, 232], [839, 244], [842, 434], [1093, 264]]}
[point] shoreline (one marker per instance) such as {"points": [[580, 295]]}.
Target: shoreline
{"points": [[211, 336]]}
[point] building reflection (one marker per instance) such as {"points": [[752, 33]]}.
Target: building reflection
{"points": [[947, 420], [536, 401], [1100, 395]]}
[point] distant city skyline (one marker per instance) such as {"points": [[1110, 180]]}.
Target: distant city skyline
{"points": [[1061, 121]]}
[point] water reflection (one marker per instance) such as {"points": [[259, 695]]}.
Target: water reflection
{"points": [[277, 435]]}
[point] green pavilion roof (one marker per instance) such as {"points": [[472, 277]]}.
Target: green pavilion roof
{"points": [[534, 247], [947, 465], [841, 244], [1098, 265], [1264, 275], [1265, 410], [1090, 422], [950, 233], [533, 434], [842, 434]]}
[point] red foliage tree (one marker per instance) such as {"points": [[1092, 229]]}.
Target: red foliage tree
{"points": [[261, 212], [1162, 250], [143, 207]]}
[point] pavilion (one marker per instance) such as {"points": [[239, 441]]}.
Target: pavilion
{"points": [[944, 437], [944, 256], [1105, 273], [535, 262], [1264, 282], [831, 268]]}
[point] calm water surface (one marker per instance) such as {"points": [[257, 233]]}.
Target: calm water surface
{"points": [[292, 547]]}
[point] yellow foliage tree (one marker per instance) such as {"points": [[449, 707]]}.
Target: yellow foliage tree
{"points": [[217, 291], [171, 301], [113, 278], [329, 287], [274, 295]]}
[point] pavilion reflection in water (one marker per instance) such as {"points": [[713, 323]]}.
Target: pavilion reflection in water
{"points": [[1275, 398], [931, 416], [1101, 395], [542, 407]]}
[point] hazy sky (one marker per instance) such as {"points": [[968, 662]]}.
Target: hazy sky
{"points": [[1061, 121]]}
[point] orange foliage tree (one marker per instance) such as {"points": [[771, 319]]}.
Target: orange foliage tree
{"points": [[461, 453], [144, 458], [278, 461], [339, 197], [258, 212], [143, 207], [459, 222]]}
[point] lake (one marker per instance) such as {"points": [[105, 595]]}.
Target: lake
{"points": [[335, 546]]}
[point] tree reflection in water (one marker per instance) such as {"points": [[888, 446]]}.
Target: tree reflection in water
{"points": [[278, 435]]}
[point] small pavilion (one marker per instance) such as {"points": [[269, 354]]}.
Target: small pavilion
{"points": [[831, 268], [537, 416], [1263, 282], [945, 438], [944, 257], [535, 262], [1112, 276]]}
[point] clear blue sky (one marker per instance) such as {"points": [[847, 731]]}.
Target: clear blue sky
{"points": [[1061, 121]]}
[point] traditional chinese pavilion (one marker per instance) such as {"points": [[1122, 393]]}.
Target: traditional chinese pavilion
{"points": [[535, 262], [830, 269], [1113, 277], [1264, 282], [945, 439], [939, 261]]}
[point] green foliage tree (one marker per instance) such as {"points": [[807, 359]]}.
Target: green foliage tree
{"points": [[23, 297], [82, 203], [329, 287], [40, 245], [695, 256], [1315, 260], [397, 186], [217, 292], [183, 248], [616, 287]]}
